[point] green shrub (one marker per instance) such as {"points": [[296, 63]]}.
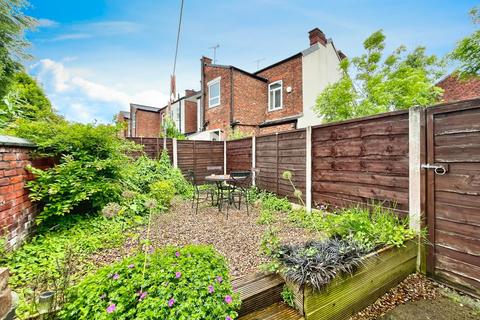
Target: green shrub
{"points": [[266, 217], [271, 202], [179, 283], [74, 186], [163, 192], [371, 228], [42, 255]]}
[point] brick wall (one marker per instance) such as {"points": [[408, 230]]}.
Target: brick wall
{"points": [[17, 212], [217, 117], [290, 72], [249, 102], [147, 124], [190, 116], [459, 89], [277, 128]]}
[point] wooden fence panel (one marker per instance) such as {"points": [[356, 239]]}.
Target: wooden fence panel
{"points": [[276, 154], [207, 153], [153, 147], [453, 199], [239, 155], [362, 161]]}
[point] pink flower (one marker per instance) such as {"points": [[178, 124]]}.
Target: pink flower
{"points": [[228, 318], [178, 274], [177, 254], [171, 302], [211, 289], [131, 266], [111, 308], [219, 279], [142, 295], [116, 276], [228, 299]]}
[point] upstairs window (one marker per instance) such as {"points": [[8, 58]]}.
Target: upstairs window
{"points": [[275, 96], [214, 93]]}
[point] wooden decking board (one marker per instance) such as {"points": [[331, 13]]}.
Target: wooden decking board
{"points": [[258, 291], [277, 311]]}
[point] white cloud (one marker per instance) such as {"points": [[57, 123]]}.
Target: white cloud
{"points": [[84, 100], [71, 36], [47, 23], [94, 29]]}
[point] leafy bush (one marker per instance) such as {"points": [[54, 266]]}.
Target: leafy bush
{"points": [[266, 217], [163, 192], [140, 174], [46, 250], [317, 262], [370, 228], [74, 184], [178, 283]]}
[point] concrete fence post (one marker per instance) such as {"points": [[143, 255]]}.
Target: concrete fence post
{"points": [[175, 152], [254, 173], [224, 157], [308, 169], [416, 187]]}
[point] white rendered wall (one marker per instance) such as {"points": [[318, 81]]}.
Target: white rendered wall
{"points": [[320, 67]]}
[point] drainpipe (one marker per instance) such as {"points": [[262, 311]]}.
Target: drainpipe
{"points": [[231, 97]]}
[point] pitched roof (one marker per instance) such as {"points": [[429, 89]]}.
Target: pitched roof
{"points": [[456, 89], [253, 75], [143, 107]]}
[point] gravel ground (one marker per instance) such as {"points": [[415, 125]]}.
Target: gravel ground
{"points": [[237, 238]]}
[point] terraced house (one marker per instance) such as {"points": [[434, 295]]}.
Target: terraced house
{"points": [[276, 98]]}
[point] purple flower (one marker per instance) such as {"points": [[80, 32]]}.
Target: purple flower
{"points": [[142, 295], [116, 276], [219, 279], [211, 289], [171, 302], [111, 308], [228, 318], [178, 274], [131, 266], [228, 299], [177, 254]]}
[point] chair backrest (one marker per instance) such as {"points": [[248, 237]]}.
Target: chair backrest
{"points": [[191, 177], [243, 179]]}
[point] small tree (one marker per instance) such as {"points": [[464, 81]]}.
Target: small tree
{"points": [[467, 51], [377, 84], [170, 129]]}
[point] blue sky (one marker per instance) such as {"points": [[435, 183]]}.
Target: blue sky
{"points": [[93, 57]]}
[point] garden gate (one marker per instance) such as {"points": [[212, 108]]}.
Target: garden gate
{"points": [[453, 193]]}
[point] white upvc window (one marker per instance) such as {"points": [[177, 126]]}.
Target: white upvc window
{"points": [[214, 93], [275, 99]]}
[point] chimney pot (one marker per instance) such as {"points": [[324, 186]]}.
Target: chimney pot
{"points": [[317, 36], [189, 92], [206, 60]]}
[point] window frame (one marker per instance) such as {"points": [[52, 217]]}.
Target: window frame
{"points": [[270, 109], [209, 85]]}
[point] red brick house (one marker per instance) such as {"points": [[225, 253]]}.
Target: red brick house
{"points": [[277, 98], [459, 89], [145, 121]]}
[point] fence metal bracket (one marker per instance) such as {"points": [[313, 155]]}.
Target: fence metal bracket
{"points": [[439, 169]]}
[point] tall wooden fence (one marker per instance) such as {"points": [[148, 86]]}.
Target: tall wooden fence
{"points": [[388, 159], [362, 161]]}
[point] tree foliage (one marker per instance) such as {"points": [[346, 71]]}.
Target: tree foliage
{"points": [[25, 99], [373, 83], [13, 24], [467, 51]]}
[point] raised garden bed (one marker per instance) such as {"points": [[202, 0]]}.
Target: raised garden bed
{"points": [[348, 294]]}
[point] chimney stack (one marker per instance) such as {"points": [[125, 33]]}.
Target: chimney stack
{"points": [[189, 92], [206, 60], [316, 35]]}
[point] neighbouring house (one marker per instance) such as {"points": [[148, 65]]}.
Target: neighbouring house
{"points": [[277, 98], [184, 112], [123, 117], [145, 121], [456, 89]]}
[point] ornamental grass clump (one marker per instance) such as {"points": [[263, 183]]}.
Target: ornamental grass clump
{"points": [[177, 283], [316, 263]]}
